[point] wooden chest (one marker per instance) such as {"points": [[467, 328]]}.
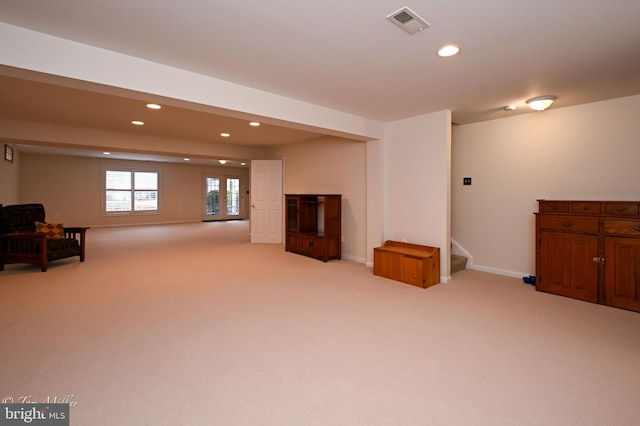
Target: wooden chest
{"points": [[408, 263]]}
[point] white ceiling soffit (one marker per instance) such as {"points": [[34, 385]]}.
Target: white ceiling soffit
{"points": [[408, 20]]}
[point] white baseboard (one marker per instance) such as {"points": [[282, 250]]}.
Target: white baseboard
{"points": [[500, 271], [356, 259], [144, 224]]}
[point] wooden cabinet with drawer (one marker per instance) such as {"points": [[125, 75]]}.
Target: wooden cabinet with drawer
{"points": [[314, 225], [589, 250]]}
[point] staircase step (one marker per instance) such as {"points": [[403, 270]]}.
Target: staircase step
{"points": [[458, 263]]}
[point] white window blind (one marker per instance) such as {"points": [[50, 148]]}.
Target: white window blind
{"points": [[131, 191]]}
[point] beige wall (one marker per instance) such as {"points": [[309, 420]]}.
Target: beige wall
{"points": [[331, 166], [588, 152], [417, 161], [9, 182], [71, 187]]}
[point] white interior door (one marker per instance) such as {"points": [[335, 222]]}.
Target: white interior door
{"points": [[266, 201]]}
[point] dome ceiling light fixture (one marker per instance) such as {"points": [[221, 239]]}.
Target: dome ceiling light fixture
{"points": [[222, 161], [541, 103]]}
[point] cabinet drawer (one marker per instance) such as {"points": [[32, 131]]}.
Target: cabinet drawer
{"points": [[312, 245], [569, 224], [621, 209], [554, 206], [585, 207], [622, 227]]}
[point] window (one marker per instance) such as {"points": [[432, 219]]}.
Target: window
{"points": [[130, 191]]}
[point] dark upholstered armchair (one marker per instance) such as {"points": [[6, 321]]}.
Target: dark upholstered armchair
{"points": [[21, 242]]}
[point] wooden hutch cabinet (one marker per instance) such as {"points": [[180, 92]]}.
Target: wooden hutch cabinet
{"points": [[314, 225], [589, 250]]}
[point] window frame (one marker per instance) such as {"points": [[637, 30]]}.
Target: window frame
{"points": [[132, 171]]}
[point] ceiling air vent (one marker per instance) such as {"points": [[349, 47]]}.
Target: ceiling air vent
{"points": [[408, 20]]}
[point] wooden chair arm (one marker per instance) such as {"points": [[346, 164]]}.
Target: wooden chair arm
{"points": [[23, 242], [23, 236], [72, 232]]}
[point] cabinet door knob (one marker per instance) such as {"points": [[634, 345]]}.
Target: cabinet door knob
{"points": [[567, 224], [621, 209], [637, 228]]}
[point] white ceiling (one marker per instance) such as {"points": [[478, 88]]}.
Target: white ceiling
{"points": [[343, 55]]}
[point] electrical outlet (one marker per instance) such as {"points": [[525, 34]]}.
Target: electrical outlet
{"points": [[466, 181]]}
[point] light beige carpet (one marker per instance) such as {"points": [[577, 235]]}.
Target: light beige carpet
{"points": [[192, 325]]}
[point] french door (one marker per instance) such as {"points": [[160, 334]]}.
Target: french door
{"points": [[222, 198]]}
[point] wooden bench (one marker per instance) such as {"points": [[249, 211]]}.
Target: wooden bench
{"points": [[408, 263]]}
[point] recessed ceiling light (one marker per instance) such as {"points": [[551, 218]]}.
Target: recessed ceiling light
{"points": [[106, 153], [138, 123], [153, 106], [225, 135], [510, 108], [254, 124], [448, 50], [243, 164], [222, 161], [187, 159]]}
